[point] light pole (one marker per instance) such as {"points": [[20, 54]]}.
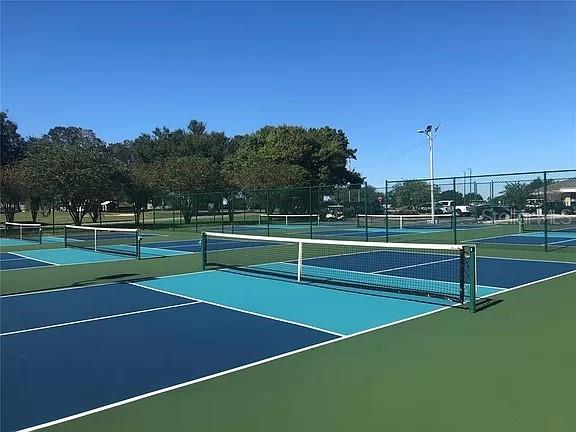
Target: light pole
{"points": [[430, 132]]}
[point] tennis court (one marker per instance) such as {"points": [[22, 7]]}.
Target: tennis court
{"points": [[133, 340]]}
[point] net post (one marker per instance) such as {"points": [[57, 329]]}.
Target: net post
{"points": [[366, 210], [204, 249], [300, 248], [138, 245], [472, 277], [40, 234], [95, 241], [21, 237], [454, 232], [545, 210], [386, 205], [65, 236]]}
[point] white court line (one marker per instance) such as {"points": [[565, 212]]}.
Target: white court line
{"points": [[562, 241], [238, 310], [528, 259], [16, 258], [415, 265], [260, 362], [34, 259], [98, 318], [219, 374]]}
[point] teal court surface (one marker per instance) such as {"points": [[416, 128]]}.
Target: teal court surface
{"points": [[128, 341]]}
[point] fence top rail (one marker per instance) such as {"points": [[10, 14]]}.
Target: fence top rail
{"points": [[487, 175]]}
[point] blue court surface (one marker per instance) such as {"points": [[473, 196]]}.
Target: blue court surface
{"points": [[108, 344], [70, 256], [532, 239]]}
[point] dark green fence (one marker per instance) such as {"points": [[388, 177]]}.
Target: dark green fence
{"points": [[532, 209]]}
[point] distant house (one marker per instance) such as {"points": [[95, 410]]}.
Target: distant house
{"points": [[561, 191]]}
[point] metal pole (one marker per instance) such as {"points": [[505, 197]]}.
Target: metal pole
{"points": [[545, 213], [310, 210], [53, 217], [196, 212], [268, 211], [431, 143], [232, 210], [454, 212], [366, 211], [386, 205]]}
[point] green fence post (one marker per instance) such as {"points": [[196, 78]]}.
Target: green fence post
{"points": [[310, 209], [222, 212], [386, 205], [173, 216], [545, 210], [53, 217], [366, 211], [153, 214], [454, 231], [196, 212], [268, 211], [231, 204]]}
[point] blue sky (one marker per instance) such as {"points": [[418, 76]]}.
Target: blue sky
{"points": [[499, 76]]}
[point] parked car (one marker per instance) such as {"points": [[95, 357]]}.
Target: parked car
{"points": [[425, 209], [486, 213], [447, 206]]}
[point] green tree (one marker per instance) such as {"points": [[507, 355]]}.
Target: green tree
{"points": [[457, 197], [516, 194], [411, 193], [184, 177], [12, 146], [321, 154], [140, 183], [13, 186], [74, 164]]}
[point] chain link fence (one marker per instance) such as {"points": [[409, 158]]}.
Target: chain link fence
{"points": [[534, 209]]}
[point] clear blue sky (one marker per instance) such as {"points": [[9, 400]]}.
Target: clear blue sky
{"points": [[499, 76]]}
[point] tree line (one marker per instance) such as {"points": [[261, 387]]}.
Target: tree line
{"points": [[72, 167]]}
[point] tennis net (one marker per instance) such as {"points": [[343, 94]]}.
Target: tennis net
{"points": [[122, 241], [444, 272], [405, 221], [288, 219], [551, 222], [22, 231]]}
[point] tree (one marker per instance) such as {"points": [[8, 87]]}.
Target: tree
{"points": [[77, 168], [411, 193], [516, 194], [473, 197], [185, 177], [140, 184], [247, 171], [321, 155], [455, 196], [12, 146], [13, 186]]}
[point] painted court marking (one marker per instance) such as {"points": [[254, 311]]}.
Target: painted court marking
{"points": [[69, 323], [238, 310], [264, 361]]}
